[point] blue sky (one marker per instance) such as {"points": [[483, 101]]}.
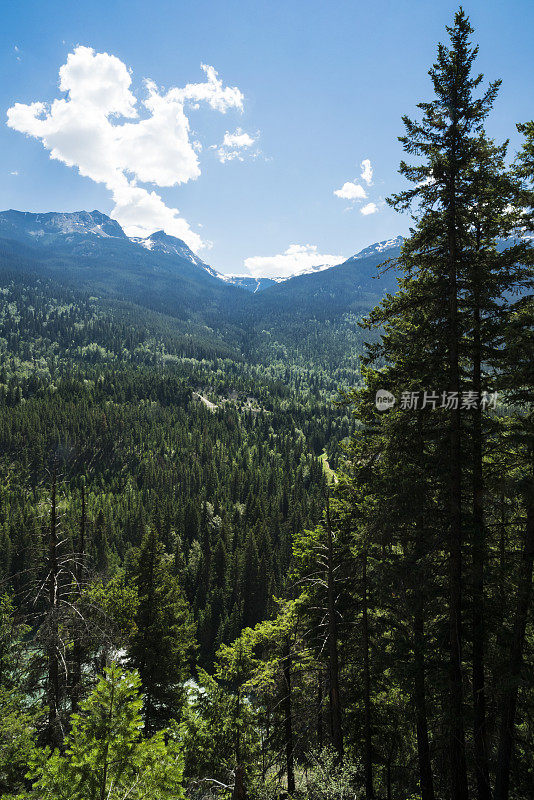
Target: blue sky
{"points": [[305, 92]]}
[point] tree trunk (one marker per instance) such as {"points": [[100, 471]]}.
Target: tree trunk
{"points": [[77, 658], [265, 742], [509, 697], [458, 764], [239, 791], [389, 787], [144, 671], [320, 710], [288, 721], [53, 692], [368, 744], [333, 659], [423, 747], [105, 761], [480, 735]]}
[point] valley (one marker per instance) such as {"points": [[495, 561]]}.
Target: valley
{"points": [[245, 551]]}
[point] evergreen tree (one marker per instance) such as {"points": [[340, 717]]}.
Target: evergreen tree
{"points": [[517, 379], [163, 643], [105, 756], [456, 222]]}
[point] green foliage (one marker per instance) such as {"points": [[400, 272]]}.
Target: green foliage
{"points": [[163, 641], [18, 741], [192, 448], [326, 779], [114, 604], [106, 756], [219, 730], [12, 632]]}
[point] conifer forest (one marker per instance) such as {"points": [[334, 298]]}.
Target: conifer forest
{"points": [[278, 544]]}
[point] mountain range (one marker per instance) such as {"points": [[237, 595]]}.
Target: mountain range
{"points": [[306, 318], [93, 234]]}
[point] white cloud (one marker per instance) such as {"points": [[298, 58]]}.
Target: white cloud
{"points": [[297, 259], [370, 208], [355, 192], [101, 128], [351, 191], [14, 172], [367, 172], [233, 145]]}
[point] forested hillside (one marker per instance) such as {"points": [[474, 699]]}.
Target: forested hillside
{"points": [[281, 544], [308, 320]]}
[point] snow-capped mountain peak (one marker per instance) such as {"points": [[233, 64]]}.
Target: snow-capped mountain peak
{"points": [[87, 231], [53, 224], [161, 242], [255, 283], [378, 247], [94, 234]]}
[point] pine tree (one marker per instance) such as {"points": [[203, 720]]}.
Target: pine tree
{"points": [[410, 469], [517, 380], [322, 564], [163, 642], [448, 140], [106, 757]]}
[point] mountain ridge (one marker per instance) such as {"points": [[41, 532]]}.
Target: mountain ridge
{"points": [[91, 252], [255, 284], [304, 319], [54, 228]]}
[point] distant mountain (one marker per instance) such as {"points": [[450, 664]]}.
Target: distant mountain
{"points": [[161, 242], [312, 320], [352, 286], [249, 283], [257, 284], [309, 319], [381, 249], [52, 227], [305, 318], [90, 251], [302, 317]]}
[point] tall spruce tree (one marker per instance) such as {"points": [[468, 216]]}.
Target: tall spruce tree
{"points": [[448, 139], [164, 639], [517, 381], [443, 342]]}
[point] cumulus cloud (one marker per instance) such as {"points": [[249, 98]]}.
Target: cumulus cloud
{"points": [[370, 208], [367, 172], [351, 191], [234, 145], [355, 192], [297, 259], [103, 130]]}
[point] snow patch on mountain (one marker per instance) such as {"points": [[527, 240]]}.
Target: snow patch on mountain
{"points": [[254, 283], [378, 247], [161, 242], [78, 223]]}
